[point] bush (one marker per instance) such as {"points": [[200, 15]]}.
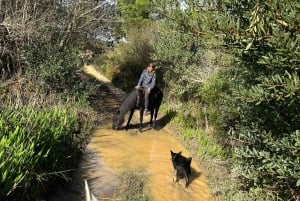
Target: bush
{"points": [[52, 68]]}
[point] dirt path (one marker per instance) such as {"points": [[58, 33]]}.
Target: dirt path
{"points": [[112, 151]]}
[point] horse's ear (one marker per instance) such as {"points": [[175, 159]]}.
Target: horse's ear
{"points": [[118, 112]]}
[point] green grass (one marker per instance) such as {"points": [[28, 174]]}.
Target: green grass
{"points": [[190, 130]]}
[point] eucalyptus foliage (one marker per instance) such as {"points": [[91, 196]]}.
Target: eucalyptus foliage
{"points": [[186, 46], [133, 14], [256, 100], [268, 36]]}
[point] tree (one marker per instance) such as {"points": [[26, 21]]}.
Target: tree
{"points": [[257, 100], [267, 36], [31, 24], [187, 44], [133, 14]]}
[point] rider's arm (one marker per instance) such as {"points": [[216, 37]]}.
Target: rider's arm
{"points": [[141, 78]]}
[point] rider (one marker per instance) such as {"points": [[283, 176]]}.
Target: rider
{"points": [[147, 82]]}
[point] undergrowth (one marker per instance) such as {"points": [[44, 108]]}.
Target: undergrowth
{"points": [[41, 138], [133, 182]]}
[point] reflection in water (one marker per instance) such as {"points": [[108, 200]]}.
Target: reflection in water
{"points": [[120, 150]]}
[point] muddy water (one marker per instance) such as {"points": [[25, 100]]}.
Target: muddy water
{"points": [[111, 152], [150, 149]]}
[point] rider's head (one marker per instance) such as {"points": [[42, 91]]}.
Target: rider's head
{"points": [[151, 67]]}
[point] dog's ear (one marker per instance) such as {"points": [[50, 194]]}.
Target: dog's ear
{"points": [[179, 153]]}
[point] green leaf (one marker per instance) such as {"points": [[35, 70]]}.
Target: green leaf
{"points": [[298, 182], [249, 46]]}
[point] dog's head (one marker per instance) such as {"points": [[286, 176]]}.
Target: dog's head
{"points": [[179, 160], [174, 155]]}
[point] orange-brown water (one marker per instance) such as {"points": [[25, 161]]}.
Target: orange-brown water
{"points": [[111, 152], [151, 150]]}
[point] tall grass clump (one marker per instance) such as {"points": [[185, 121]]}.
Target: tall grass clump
{"points": [[37, 145], [133, 182]]}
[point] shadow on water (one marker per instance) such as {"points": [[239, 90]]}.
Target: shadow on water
{"points": [[194, 175], [160, 122]]}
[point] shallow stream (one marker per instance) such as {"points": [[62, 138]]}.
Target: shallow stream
{"points": [[150, 149], [111, 152]]}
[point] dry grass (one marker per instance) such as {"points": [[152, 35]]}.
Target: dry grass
{"points": [[132, 186]]}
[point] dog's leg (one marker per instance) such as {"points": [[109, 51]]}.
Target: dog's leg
{"points": [[186, 176], [177, 175], [174, 175]]}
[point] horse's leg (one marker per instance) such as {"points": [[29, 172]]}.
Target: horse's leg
{"points": [[141, 118], [155, 116], [129, 119], [151, 118]]}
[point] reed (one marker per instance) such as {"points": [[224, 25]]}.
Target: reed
{"points": [[34, 147]]}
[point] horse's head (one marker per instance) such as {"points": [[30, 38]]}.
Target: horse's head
{"points": [[118, 120]]}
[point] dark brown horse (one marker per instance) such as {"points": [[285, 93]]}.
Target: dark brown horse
{"points": [[135, 100]]}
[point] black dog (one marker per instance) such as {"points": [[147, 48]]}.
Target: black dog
{"points": [[182, 166]]}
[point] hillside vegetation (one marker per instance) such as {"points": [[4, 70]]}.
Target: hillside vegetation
{"points": [[229, 69]]}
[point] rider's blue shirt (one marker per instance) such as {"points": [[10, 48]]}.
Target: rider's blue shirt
{"points": [[147, 80]]}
